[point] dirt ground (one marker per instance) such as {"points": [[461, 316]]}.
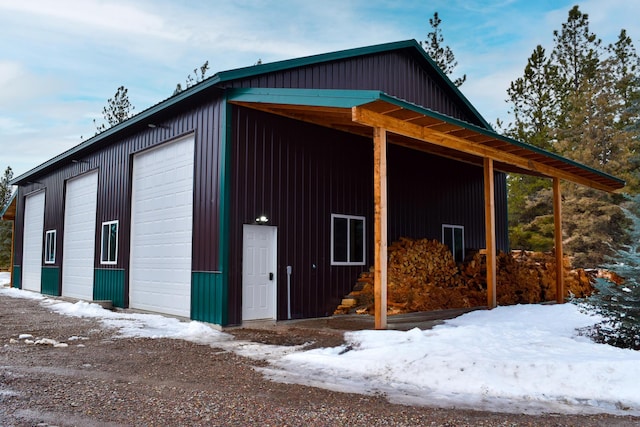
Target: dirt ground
{"points": [[100, 380]]}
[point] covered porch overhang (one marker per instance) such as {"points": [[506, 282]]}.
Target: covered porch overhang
{"points": [[387, 119]]}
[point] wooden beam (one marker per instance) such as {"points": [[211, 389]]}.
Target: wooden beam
{"points": [[380, 226], [370, 118], [490, 231], [557, 222]]}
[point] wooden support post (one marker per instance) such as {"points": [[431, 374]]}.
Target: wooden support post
{"points": [[557, 222], [490, 231], [380, 226]]}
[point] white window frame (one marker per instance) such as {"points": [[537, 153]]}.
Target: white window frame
{"points": [[452, 227], [50, 247], [104, 258], [348, 243]]}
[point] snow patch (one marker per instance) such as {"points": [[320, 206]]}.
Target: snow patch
{"points": [[524, 358]]}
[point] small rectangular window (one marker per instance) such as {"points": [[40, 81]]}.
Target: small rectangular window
{"points": [[453, 237], [109, 252], [347, 240], [50, 247]]}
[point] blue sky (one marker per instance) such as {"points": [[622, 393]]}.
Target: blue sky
{"points": [[60, 61]]}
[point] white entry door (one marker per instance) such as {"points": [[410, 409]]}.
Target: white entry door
{"points": [[79, 236], [32, 242], [259, 279]]}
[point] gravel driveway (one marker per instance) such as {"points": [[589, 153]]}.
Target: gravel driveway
{"points": [[100, 380]]}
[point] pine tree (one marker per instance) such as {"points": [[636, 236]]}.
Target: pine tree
{"points": [[534, 107], [534, 104], [5, 226], [582, 102], [577, 55], [5, 187], [625, 65], [442, 55], [118, 110], [198, 76]]}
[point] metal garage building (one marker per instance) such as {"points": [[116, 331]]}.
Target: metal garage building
{"points": [[263, 192]]}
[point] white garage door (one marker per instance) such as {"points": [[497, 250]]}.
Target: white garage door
{"points": [[32, 242], [161, 229], [79, 236]]}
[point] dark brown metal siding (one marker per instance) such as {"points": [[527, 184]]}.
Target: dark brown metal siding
{"points": [[23, 191], [114, 163], [53, 202], [114, 183], [298, 174], [426, 191], [396, 73]]}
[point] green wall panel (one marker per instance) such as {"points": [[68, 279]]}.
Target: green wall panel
{"points": [[109, 286], [208, 299], [17, 277], [51, 281]]}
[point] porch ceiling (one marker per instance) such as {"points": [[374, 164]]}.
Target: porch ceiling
{"points": [[8, 212], [359, 112]]}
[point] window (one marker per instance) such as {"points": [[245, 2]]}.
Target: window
{"points": [[50, 247], [109, 253], [347, 240], [453, 237]]}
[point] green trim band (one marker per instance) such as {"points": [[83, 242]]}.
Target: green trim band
{"points": [[109, 285], [50, 281]]}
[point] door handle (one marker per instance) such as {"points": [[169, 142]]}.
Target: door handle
{"points": [[270, 276]]}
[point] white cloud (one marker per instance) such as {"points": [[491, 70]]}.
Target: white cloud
{"points": [[19, 86], [91, 15], [11, 126], [607, 18], [62, 60]]}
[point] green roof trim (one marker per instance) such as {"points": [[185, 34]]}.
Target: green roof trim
{"points": [[254, 70], [319, 97], [218, 80], [246, 72], [143, 118], [493, 134], [354, 98], [307, 97]]}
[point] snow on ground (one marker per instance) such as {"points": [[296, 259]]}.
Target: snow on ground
{"points": [[5, 278], [526, 358]]}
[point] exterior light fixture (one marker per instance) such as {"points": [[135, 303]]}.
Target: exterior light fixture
{"points": [[262, 219], [153, 126]]}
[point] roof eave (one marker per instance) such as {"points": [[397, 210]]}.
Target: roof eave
{"points": [[219, 80], [355, 98], [143, 118], [254, 70], [488, 132]]}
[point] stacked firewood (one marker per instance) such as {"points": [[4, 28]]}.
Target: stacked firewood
{"points": [[422, 275]]}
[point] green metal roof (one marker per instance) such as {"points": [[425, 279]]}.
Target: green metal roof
{"points": [[493, 134], [310, 97], [218, 81], [341, 98], [242, 73]]}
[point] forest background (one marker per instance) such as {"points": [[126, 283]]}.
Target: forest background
{"points": [[580, 99]]}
